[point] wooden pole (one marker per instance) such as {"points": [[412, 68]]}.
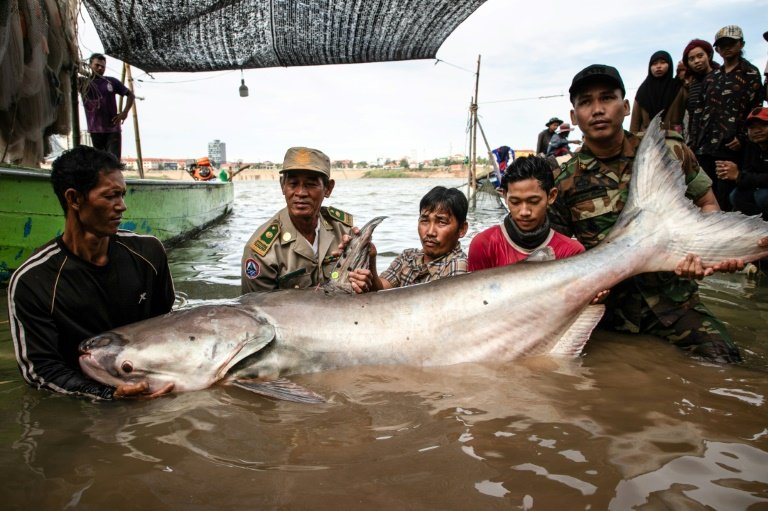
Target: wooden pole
{"points": [[139, 160], [122, 80], [75, 111], [239, 170], [474, 126], [470, 183], [491, 157]]}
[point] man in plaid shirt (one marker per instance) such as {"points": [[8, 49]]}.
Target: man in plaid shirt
{"points": [[442, 222]]}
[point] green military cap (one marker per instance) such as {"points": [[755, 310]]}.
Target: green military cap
{"points": [[308, 159]]}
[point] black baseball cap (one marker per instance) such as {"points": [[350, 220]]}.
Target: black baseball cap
{"points": [[595, 73]]}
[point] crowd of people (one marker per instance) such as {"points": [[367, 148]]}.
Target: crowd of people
{"points": [[94, 277], [712, 106]]}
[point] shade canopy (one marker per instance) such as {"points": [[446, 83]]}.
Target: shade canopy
{"points": [[208, 35]]}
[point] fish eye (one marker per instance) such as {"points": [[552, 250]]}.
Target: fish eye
{"points": [[127, 367]]}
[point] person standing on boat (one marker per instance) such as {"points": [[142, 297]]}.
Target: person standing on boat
{"points": [[298, 247], [592, 189], [545, 136], [442, 223], [558, 146], [525, 234], [104, 121], [90, 279]]}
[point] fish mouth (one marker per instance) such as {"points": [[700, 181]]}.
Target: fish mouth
{"points": [[91, 367], [98, 355]]}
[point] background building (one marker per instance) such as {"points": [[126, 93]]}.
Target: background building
{"points": [[217, 152]]}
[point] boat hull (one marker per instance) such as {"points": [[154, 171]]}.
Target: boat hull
{"points": [[30, 213]]}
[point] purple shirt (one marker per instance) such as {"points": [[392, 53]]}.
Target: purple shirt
{"points": [[100, 105]]}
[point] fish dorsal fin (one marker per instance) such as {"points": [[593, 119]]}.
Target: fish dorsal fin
{"points": [[355, 257], [573, 340], [280, 389]]}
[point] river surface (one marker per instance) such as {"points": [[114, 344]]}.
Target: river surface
{"points": [[632, 424]]}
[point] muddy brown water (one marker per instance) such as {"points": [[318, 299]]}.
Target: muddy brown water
{"points": [[632, 424]]}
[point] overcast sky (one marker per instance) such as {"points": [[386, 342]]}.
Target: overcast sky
{"points": [[419, 109]]}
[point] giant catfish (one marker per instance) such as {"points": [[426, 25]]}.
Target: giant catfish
{"points": [[495, 315]]}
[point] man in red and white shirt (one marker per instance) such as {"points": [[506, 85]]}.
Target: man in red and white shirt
{"points": [[529, 188]]}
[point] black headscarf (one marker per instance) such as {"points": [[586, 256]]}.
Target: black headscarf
{"points": [[656, 94]]}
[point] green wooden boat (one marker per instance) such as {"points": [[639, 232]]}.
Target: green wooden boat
{"points": [[30, 213]]}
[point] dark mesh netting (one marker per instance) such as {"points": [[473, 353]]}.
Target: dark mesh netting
{"points": [[205, 35], [37, 57]]}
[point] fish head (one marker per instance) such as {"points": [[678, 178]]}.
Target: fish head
{"points": [[192, 348]]}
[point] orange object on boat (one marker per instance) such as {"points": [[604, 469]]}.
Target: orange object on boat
{"points": [[202, 173], [203, 162]]}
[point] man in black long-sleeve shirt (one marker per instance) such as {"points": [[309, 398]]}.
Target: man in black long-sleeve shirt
{"points": [[90, 279]]}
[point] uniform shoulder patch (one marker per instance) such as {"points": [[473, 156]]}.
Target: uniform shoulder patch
{"points": [[341, 216], [264, 241]]}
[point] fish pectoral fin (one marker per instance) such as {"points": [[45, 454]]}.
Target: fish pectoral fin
{"points": [[280, 389], [262, 335], [573, 340]]}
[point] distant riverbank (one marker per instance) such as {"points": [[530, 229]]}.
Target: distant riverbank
{"points": [[338, 174]]}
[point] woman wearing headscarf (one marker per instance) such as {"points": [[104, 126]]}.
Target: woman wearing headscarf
{"points": [[699, 65], [660, 91]]}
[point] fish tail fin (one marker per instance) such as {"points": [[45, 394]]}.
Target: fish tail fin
{"points": [[657, 206]]}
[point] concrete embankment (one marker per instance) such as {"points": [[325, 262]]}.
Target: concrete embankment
{"points": [[338, 174]]}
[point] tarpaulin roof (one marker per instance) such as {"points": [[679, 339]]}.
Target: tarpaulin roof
{"points": [[206, 35]]}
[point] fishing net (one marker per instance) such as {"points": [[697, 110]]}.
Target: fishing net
{"points": [[37, 54], [205, 35], [486, 196]]}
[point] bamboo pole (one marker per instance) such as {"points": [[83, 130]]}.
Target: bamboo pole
{"points": [[474, 127], [122, 80], [139, 160], [75, 110], [491, 157], [470, 185]]}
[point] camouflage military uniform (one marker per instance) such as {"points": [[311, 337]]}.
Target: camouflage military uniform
{"points": [[591, 195], [278, 257]]}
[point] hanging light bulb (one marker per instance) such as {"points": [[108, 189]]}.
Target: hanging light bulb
{"points": [[243, 87]]}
